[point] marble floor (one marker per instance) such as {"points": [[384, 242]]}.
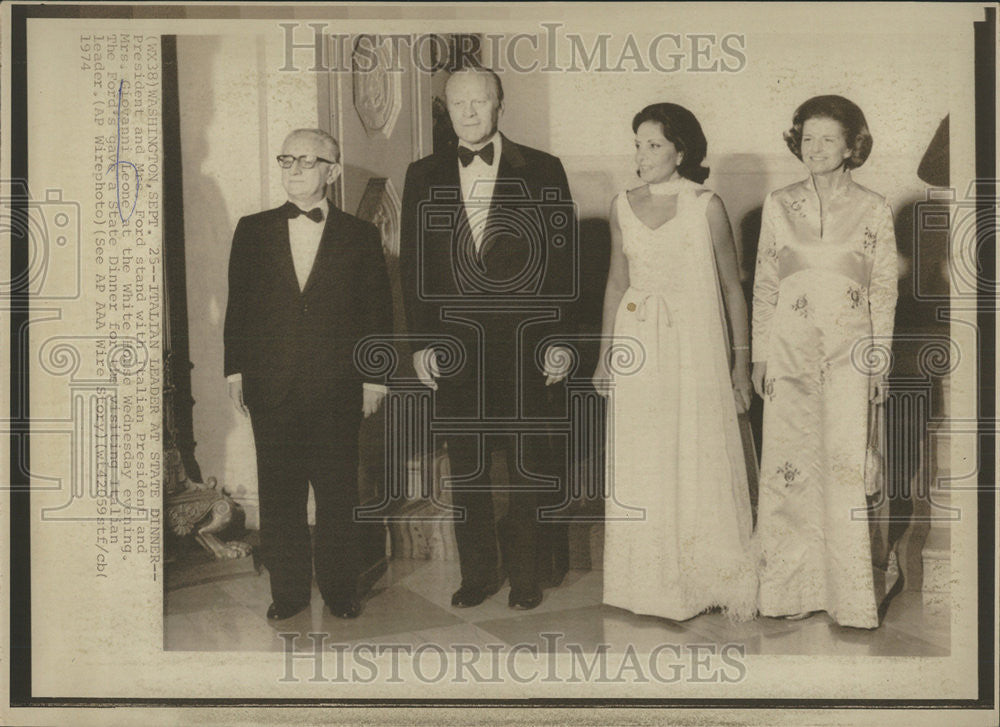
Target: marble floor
{"points": [[410, 604]]}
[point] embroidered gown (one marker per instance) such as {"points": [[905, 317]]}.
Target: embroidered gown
{"points": [[822, 287], [677, 519]]}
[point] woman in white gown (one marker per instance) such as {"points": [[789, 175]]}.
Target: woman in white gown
{"points": [[677, 519], [825, 285]]}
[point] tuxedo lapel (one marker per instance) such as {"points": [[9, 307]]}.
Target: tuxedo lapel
{"points": [[447, 172], [510, 169], [283, 263]]}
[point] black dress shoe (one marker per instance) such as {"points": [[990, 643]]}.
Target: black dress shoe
{"points": [[280, 611], [347, 607], [466, 596], [524, 600]]}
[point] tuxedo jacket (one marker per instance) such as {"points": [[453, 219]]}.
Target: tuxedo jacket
{"points": [[527, 267], [277, 334]]}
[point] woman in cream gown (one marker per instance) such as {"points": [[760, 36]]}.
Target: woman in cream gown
{"points": [[825, 284], [677, 518]]}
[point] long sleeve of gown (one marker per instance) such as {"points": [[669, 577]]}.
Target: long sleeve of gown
{"points": [[884, 283], [765, 284]]}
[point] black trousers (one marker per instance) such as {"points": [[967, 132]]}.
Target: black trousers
{"points": [[305, 441], [531, 547]]}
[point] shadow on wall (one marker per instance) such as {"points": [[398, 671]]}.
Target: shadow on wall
{"points": [[208, 230], [592, 192], [918, 393], [748, 236], [742, 181], [595, 256]]}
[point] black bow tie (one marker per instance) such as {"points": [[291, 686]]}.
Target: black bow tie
{"points": [[466, 155], [292, 211]]}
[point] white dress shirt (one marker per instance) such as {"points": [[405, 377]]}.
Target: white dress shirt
{"points": [[304, 236], [482, 177]]}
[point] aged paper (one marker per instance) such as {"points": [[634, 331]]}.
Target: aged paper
{"points": [[90, 177]]}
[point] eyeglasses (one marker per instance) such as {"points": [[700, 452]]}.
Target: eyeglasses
{"points": [[306, 161]]}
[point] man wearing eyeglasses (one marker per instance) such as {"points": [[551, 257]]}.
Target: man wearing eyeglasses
{"points": [[306, 283]]}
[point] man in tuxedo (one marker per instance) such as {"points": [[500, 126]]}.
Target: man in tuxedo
{"points": [[488, 263], [306, 283]]}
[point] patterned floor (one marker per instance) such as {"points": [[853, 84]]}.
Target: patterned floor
{"points": [[411, 605]]}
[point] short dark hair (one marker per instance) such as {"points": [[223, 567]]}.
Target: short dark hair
{"points": [[476, 68], [680, 128], [843, 111]]}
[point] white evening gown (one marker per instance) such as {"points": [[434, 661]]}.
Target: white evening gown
{"points": [[678, 521], [823, 287]]}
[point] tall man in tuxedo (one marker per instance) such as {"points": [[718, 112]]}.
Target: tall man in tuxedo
{"points": [[488, 260], [306, 283]]}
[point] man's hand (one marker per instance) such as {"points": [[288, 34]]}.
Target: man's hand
{"points": [[557, 362], [425, 363], [372, 401], [236, 394]]}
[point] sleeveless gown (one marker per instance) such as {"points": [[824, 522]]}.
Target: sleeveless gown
{"points": [[678, 521]]}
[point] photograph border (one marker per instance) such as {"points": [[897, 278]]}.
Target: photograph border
{"points": [[20, 644]]}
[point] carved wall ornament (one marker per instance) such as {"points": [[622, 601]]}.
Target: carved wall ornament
{"points": [[378, 93]]}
